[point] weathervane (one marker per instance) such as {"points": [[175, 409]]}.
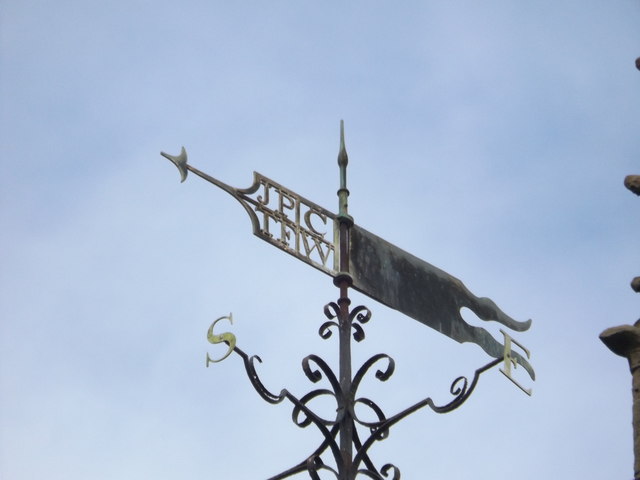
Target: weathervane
{"points": [[356, 258]]}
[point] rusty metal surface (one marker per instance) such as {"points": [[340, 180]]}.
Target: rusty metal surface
{"points": [[416, 288]]}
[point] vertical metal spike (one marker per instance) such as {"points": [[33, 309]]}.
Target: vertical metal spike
{"points": [[343, 160], [343, 281]]}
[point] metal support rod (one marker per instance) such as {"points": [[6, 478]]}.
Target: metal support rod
{"points": [[346, 424], [343, 281]]}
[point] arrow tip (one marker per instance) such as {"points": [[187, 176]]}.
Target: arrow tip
{"points": [[179, 161]]}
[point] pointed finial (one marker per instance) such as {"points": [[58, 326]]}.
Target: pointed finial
{"points": [[343, 159], [179, 161], [343, 193]]}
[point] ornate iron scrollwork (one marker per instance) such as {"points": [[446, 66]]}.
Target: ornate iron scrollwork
{"points": [[358, 259], [316, 370]]}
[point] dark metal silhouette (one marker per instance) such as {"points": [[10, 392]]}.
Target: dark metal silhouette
{"points": [[357, 259]]}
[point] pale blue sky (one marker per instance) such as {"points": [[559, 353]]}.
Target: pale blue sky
{"points": [[489, 138]]}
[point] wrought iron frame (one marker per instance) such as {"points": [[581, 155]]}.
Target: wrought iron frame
{"points": [[341, 437], [340, 433]]}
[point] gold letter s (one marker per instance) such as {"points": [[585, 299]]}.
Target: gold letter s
{"points": [[227, 337]]}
